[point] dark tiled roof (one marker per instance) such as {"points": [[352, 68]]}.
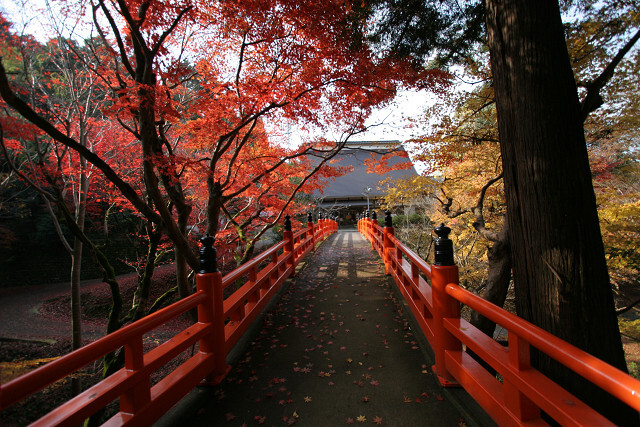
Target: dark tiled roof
{"points": [[354, 183]]}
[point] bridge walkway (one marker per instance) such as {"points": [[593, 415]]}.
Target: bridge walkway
{"points": [[336, 349]]}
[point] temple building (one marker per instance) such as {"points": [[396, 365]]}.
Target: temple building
{"points": [[358, 190]]}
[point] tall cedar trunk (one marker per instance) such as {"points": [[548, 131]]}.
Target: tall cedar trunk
{"points": [[559, 268]]}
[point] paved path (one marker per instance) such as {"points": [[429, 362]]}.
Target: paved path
{"points": [[20, 316], [336, 350]]}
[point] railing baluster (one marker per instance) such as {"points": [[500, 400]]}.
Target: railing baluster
{"points": [[287, 236], [517, 403], [139, 395], [311, 231], [387, 244]]}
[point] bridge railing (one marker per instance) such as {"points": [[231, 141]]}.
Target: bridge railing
{"points": [[524, 392], [221, 323]]}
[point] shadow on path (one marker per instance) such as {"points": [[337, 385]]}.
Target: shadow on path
{"points": [[335, 350]]}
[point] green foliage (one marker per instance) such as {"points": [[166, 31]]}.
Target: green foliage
{"points": [[399, 220], [415, 218], [442, 32]]}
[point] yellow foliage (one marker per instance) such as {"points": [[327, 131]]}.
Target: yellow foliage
{"points": [[630, 328], [620, 225]]}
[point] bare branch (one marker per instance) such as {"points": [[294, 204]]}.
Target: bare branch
{"points": [[114, 27], [593, 100], [479, 223]]}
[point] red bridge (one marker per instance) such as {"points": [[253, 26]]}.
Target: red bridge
{"points": [[518, 397]]}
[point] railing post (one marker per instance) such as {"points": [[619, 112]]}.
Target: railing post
{"points": [[325, 221], [520, 405], [209, 281], [311, 230], [374, 222], [140, 394], [287, 236], [367, 225], [443, 272], [388, 231]]}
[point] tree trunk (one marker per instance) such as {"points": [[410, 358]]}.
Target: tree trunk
{"points": [[76, 306], [247, 254], [182, 273], [559, 268], [498, 280]]}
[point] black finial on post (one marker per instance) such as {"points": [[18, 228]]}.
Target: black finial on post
{"points": [[287, 223], [309, 217], [388, 222], [443, 246], [374, 215], [208, 255], [367, 213]]}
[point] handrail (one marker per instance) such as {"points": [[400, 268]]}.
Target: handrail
{"points": [[244, 269], [55, 370], [221, 323], [524, 392], [605, 376]]}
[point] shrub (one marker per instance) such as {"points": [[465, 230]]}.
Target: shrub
{"points": [[415, 218], [399, 220]]}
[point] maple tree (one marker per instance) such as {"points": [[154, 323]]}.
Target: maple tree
{"points": [[57, 78], [193, 84], [65, 93]]}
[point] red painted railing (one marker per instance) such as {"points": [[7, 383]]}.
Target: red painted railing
{"points": [[221, 323], [524, 392]]}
